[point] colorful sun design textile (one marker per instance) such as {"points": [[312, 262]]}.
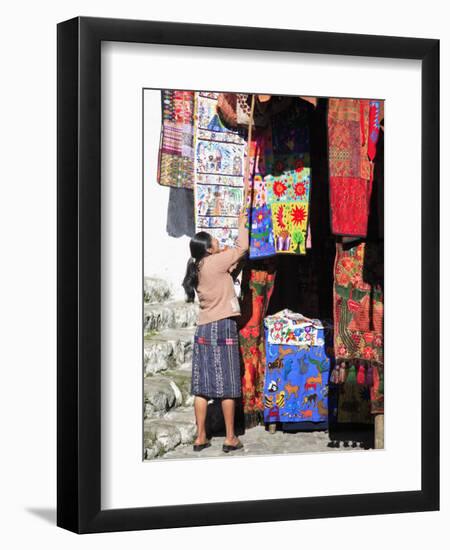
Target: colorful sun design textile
{"points": [[353, 126], [255, 302], [290, 227], [289, 328], [219, 171], [296, 383], [358, 325], [288, 179], [176, 152], [281, 181]]}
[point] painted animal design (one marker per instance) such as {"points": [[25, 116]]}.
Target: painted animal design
{"points": [[288, 366], [268, 401], [273, 385], [291, 389], [303, 365], [283, 352], [322, 410], [281, 399], [310, 399], [306, 414], [277, 364], [313, 381]]}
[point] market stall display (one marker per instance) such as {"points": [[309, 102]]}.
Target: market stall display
{"points": [[294, 171], [297, 368]]}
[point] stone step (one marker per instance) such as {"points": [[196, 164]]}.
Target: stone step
{"points": [[182, 379], [168, 349], [177, 314], [156, 290], [164, 434], [165, 392]]}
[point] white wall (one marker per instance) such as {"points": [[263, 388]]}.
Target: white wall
{"points": [[28, 274], [164, 256]]}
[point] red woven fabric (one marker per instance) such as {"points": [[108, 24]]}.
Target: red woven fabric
{"points": [[258, 289], [350, 170]]}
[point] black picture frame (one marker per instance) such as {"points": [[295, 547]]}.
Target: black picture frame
{"points": [[79, 281]]}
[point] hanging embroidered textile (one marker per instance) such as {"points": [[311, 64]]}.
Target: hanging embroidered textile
{"points": [[281, 184], [262, 242], [219, 163], [176, 153], [296, 380], [287, 327], [235, 110], [289, 179], [226, 108], [257, 288], [353, 126], [358, 324]]}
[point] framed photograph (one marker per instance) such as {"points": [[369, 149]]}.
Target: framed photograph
{"points": [[248, 231]]}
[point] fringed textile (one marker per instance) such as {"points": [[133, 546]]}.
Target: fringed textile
{"points": [[358, 325], [353, 127], [176, 153], [257, 288]]}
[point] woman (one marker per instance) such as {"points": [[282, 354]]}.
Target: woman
{"points": [[215, 361]]}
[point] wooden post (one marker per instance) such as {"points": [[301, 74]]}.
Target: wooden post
{"points": [[247, 160], [379, 431]]}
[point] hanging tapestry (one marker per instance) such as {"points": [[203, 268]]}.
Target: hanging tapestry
{"points": [[176, 153], [257, 288], [226, 108], [289, 179], [219, 171], [261, 228], [296, 380], [281, 185], [287, 327], [234, 110], [358, 324], [353, 126], [261, 116]]}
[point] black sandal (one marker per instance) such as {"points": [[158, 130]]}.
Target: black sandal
{"points": [[229, 448], [201, 446]]}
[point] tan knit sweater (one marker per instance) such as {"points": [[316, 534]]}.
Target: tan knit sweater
{"points": [[215, 288]]}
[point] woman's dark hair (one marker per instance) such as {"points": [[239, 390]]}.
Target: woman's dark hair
{"points": [[198, 245]]}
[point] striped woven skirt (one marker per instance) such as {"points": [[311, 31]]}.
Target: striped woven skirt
{"points": [[216, 370]]}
